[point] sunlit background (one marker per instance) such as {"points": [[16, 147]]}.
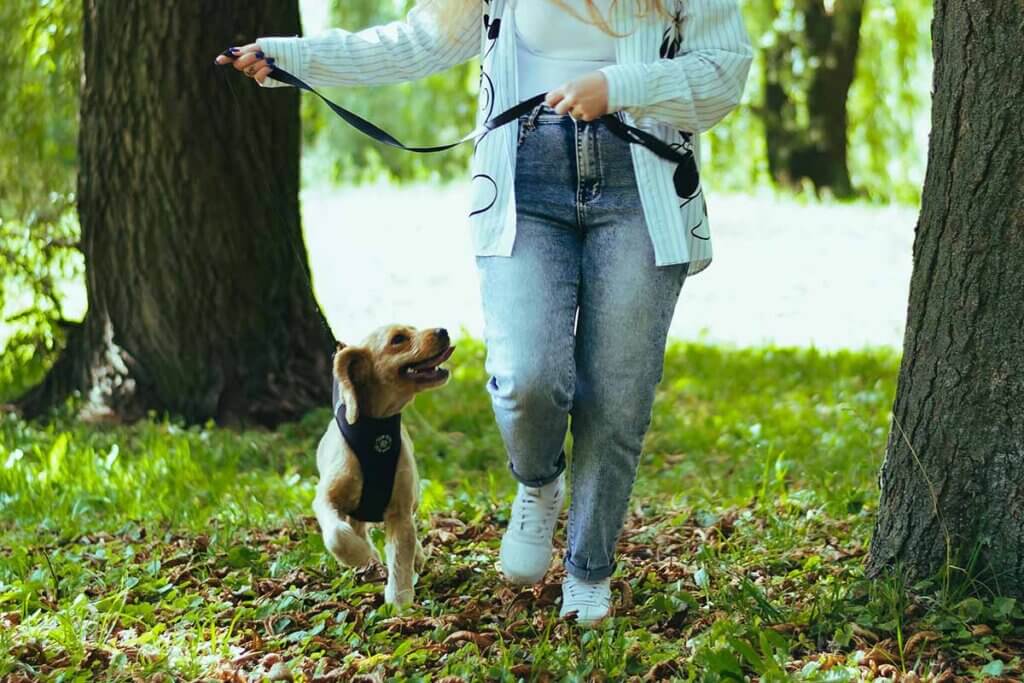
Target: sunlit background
{"points": [[795, 263], [786, 270]]}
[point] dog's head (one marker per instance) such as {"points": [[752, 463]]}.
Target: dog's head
{"points": [[381, 375]]}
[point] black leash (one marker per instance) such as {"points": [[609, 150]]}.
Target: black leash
{"points": [[617, 127]]}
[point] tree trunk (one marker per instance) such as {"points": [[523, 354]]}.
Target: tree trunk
{"points": [[808, 140], [200, 303], [953, 480]]}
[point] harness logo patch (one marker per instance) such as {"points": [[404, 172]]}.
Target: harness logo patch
{"points": [[382, 444]]}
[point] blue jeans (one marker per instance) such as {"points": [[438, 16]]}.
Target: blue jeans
{"points": [[575, 323]]}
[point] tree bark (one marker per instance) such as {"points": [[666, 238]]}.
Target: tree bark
{"points": [[199, 299], [812, 143], [953, 480]]}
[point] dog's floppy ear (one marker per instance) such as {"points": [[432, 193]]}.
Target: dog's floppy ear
{"points": [[351, 367]]}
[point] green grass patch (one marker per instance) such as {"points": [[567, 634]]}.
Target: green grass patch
{"points": [[163, 552]]}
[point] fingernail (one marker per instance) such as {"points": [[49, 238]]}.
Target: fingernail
{"points": [[259, 55]]}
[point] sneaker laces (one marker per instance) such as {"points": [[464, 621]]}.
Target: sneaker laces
{"points": [[590, 593], [535, 513]]}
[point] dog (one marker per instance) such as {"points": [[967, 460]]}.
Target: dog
{"points": [[365, 458]]}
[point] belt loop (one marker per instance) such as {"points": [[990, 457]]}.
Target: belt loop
{"points": [[535, 114], [529, 124]]}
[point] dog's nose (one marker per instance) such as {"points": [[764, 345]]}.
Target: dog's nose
{"points": [[442, 334]]}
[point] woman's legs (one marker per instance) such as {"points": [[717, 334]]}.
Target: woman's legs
{"points": [[530, 301], [625, 308], [581, 242]]}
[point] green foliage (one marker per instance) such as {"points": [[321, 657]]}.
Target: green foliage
{"points": [[437, 109], [38, 135], [887, 109], [42, 267], [149, 549], [890, 101], [888, 105]]}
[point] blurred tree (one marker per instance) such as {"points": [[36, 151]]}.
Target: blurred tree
{"points": [[885, 111], [199, 300], [814, 49], [953, 480]]}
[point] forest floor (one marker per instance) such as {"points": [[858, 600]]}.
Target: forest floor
{"points": [[161, 552]]}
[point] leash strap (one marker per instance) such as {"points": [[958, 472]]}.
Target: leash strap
{"points": [[617, 127]]}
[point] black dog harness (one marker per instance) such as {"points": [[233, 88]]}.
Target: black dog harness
{"points": [[376, 441]]}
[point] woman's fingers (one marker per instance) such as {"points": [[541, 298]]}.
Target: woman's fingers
{"points": [[224, 59], [565, 105], [237, 52], [585, 98], [248, 59], [554, 97], [262, 74], [562, 99]]}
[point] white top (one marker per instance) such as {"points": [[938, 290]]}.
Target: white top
{"points": [[553, 46], [689, 91]]}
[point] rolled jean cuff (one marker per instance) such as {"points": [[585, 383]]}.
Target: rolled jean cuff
{"points": [[591, 574], [537, 483]]}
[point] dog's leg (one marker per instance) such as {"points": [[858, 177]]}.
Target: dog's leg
{"points": [[347, 542], [362, 529], [401, 552], [421, 557]]}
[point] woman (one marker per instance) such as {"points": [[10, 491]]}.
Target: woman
{"points": [[582, 240]]}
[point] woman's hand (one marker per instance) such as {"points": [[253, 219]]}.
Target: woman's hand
{"points": [[584, 98], [249, 59]]}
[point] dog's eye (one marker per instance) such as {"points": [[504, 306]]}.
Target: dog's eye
{"points": [[399, 339]]}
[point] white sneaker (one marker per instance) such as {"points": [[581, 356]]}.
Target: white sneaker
{"points": [[526, 546], [590, 600]]}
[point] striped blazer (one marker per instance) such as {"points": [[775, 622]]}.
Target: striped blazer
{"points": [[674, 79]]}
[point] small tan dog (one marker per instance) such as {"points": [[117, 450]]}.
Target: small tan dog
{"points": [[365, 459]]}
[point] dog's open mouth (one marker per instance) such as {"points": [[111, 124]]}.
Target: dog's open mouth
{"points": [[428, 370]]}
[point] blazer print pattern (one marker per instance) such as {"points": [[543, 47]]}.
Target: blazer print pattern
{"points": [[675, 79]]}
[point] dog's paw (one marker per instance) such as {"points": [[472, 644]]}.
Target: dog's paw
{"points": [[398, 597]]}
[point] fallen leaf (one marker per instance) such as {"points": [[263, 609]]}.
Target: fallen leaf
{"points": [[481, 640], [878, 655], [919, 638], [864, 633]]}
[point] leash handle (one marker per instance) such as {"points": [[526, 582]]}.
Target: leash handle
{"points": [[619, 128]]}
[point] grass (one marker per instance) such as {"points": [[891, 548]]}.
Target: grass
{"points": [[160, 552]]}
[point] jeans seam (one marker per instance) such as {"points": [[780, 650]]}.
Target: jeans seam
{"points": [[579, 180]]}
